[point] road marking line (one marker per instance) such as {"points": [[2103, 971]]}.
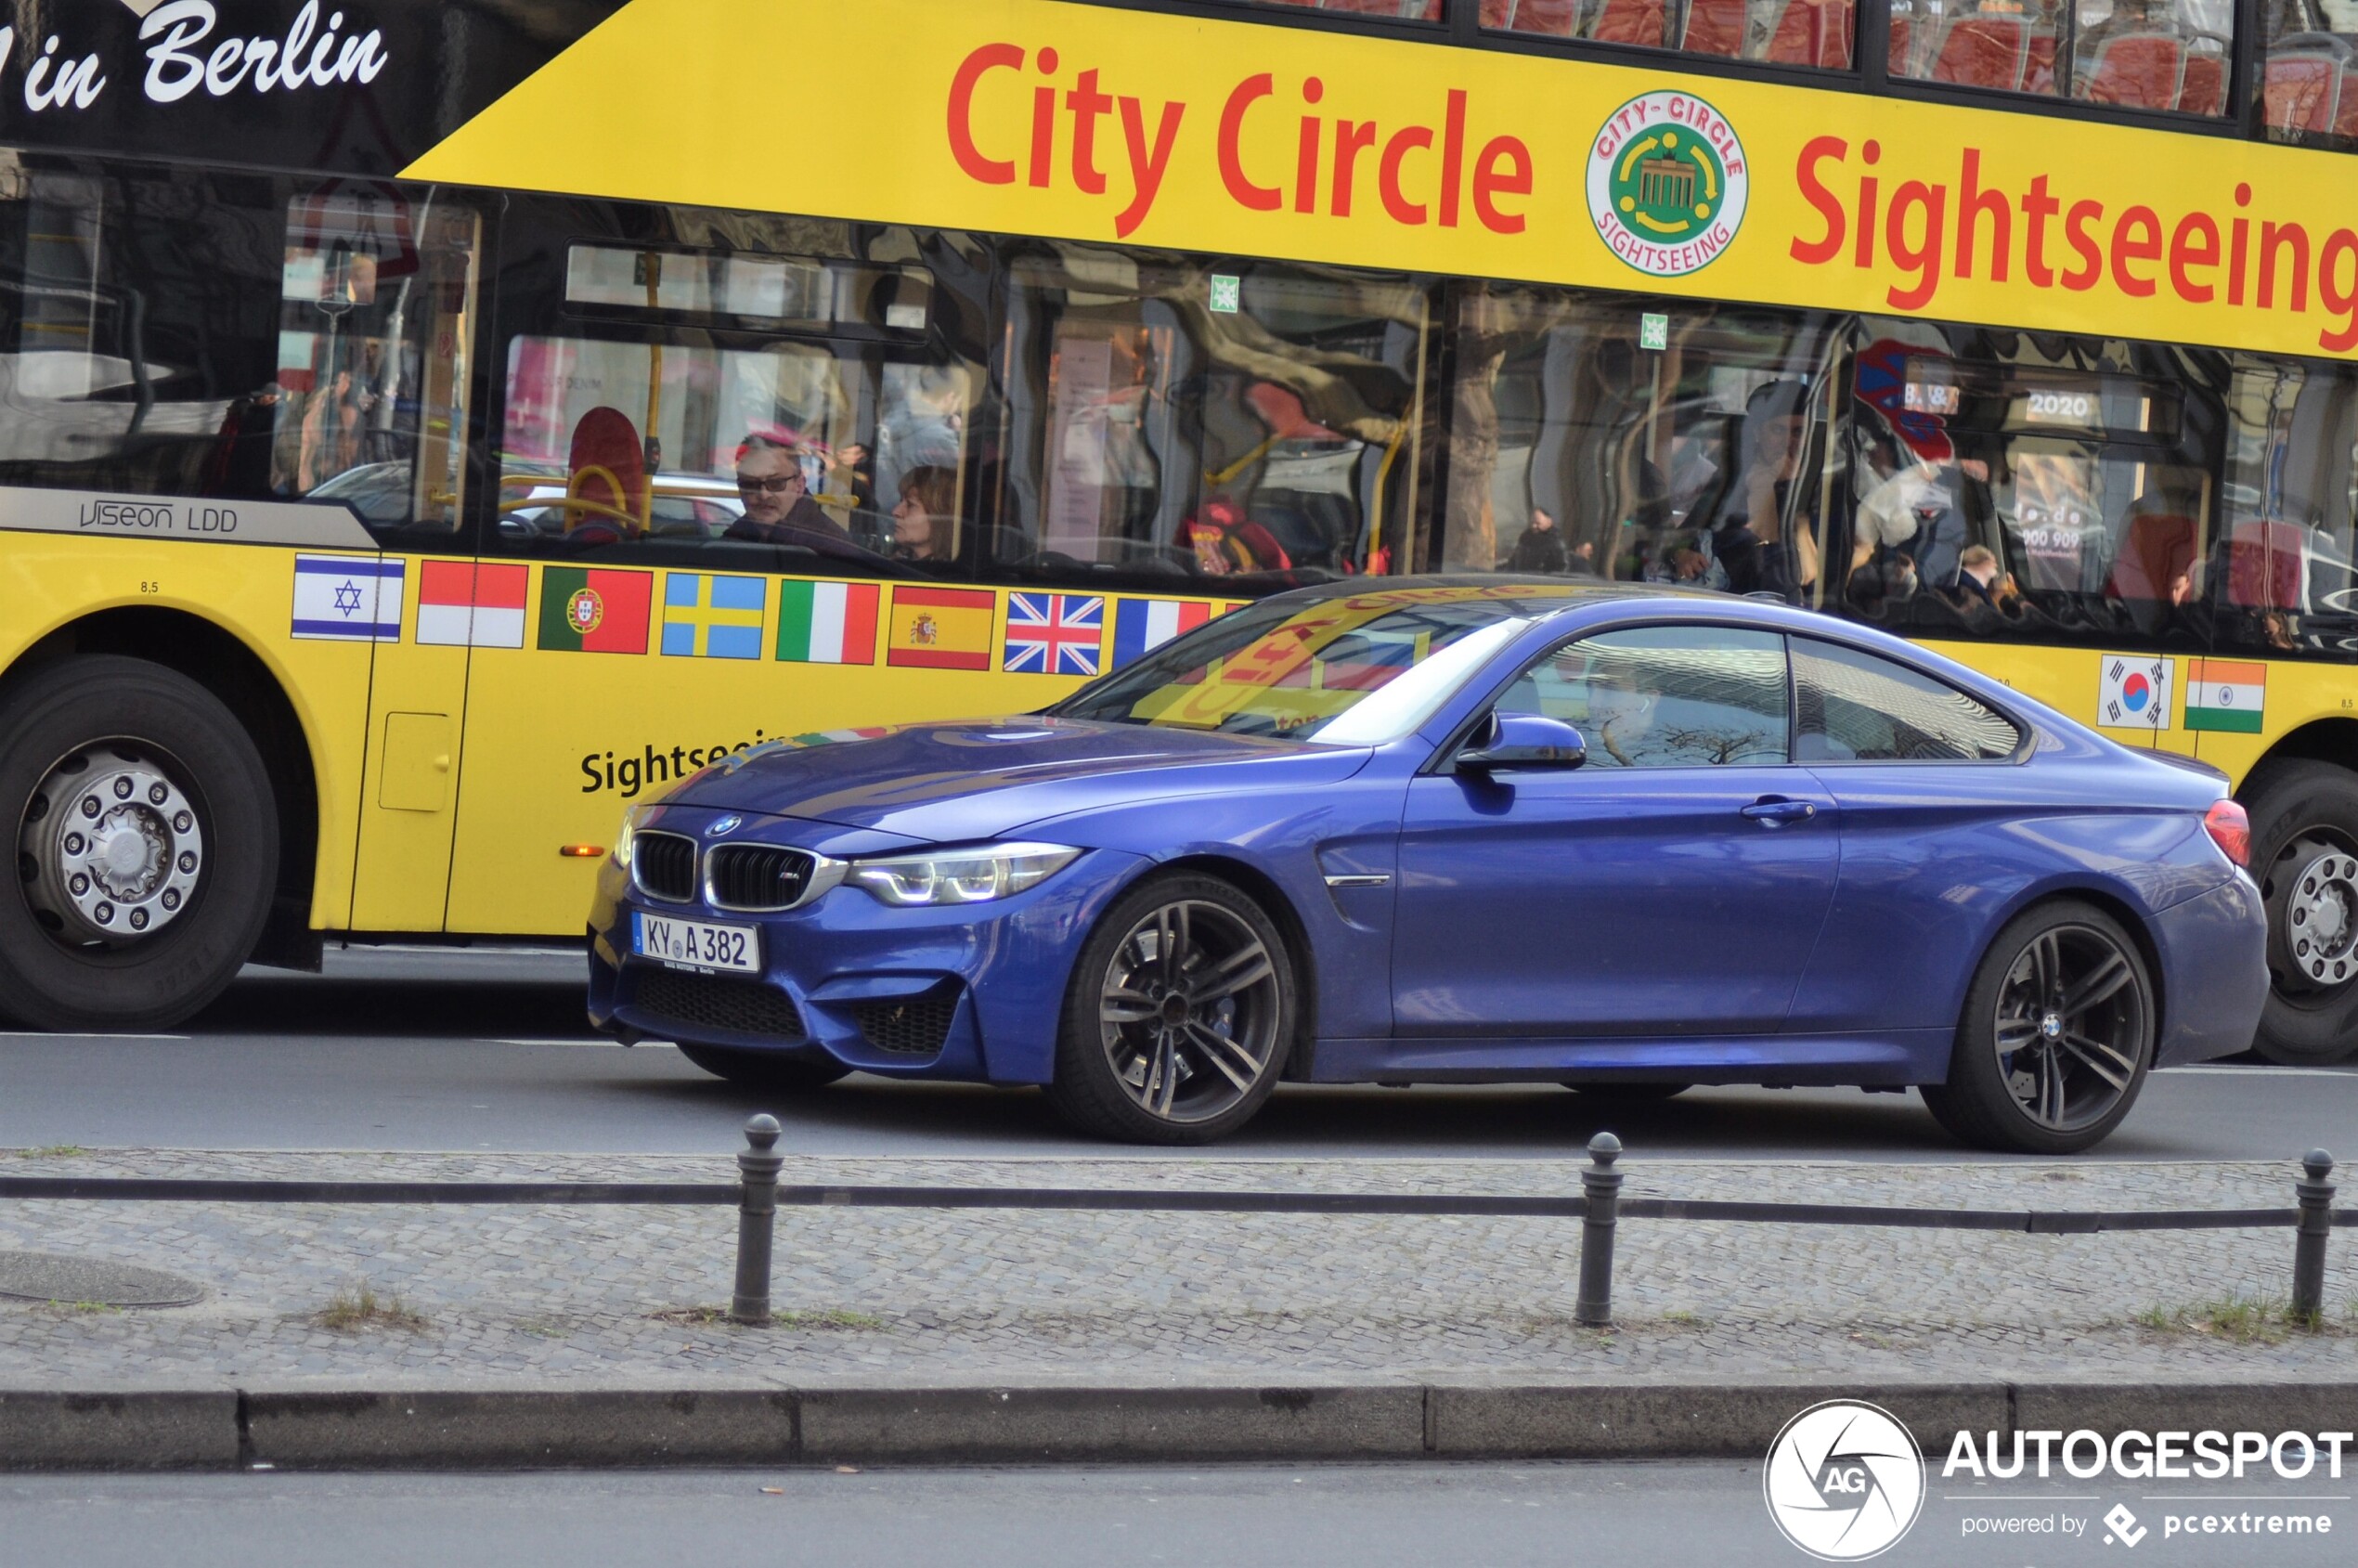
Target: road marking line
{"points": [[58, 1034], [578, 1040]]}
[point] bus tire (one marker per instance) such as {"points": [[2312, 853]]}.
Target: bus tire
{"points": [[2304, 855], [140, 921]]}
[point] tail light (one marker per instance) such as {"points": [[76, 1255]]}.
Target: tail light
{"points": [[2231, 830]]}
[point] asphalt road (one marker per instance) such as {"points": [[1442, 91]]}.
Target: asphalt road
{"points": [[412, 1050], [1563, 1516]]}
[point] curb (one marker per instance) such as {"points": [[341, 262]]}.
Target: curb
{"points": [[296, 1426]]}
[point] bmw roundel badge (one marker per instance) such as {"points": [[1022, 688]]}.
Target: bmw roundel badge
{"points": [[723, 824]]}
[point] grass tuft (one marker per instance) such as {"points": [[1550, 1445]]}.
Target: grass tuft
{"points": [[716, 1316], [360, 1307], [2243, 1320], [53, 1151]]}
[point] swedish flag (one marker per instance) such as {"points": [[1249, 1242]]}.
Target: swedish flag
{"points": [[713, 617]]}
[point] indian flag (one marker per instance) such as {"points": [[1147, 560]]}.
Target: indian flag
{"points": [[2224, 695], [827, 623]]}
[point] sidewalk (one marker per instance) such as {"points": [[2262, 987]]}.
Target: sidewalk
{"points": [[553, 1299]]}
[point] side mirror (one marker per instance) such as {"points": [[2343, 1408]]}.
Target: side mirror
{"points": [[1523, 740]]}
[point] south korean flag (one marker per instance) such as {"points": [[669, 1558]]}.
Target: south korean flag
{"points": [[2134, 693]]}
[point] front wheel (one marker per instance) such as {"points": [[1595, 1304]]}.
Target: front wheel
{"points": [[1178, 1017], [2057, 1035], [147, 844], [2304, 855]]}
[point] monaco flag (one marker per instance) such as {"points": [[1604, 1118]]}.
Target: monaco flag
{"points": [[466, 603]]}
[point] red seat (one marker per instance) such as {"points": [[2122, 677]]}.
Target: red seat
{"points": [[1412, 10], [2157, 560], [1714, 27], [1814, 33], [2346, 104], [2135, 71], [2265, 562], [2202, 87], [1632, 21], [2038, 68], [1555, 19], [1903, 32], [1983, 52], [2301, 93], [607, 468]]}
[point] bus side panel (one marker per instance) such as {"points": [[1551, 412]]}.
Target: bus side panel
{"points": [[46, 583], [410, 797]]}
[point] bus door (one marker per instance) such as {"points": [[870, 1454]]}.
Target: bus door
{"points": [[377, 316], [716, 468]]}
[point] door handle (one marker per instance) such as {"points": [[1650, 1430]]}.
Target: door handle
{"points": [[1773, 813]]}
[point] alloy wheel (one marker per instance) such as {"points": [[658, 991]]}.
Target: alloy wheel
{"points": [[1188, 1011], [2071, 1027]]}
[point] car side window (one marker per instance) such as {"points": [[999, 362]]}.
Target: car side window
{"points": [[1860, 707], [1665, 696]]}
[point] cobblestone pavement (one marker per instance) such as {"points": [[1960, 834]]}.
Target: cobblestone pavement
{"points": [[559, 1293]]}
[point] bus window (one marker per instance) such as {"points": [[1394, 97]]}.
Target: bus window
{"points": [[2281, 573], [234, 336], [1215, 420], [796, 455], [376, 310], [1576, 447], [2007, 484]]}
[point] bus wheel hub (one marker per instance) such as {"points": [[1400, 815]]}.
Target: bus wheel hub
{"points": [[2320, 918], [110, 850]]}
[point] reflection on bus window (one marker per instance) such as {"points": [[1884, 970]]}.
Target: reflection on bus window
{"points": [[2011, 484], [2282, 573], [2306, 91], [814, 450], [1200, 421], [1575, 447], [2168, 55], [376, 297], [176, 333]]}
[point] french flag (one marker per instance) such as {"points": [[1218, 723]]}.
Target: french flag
{"points": [[1140, 626]]}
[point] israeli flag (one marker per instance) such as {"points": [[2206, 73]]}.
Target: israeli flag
{"points": [[351, 598]]}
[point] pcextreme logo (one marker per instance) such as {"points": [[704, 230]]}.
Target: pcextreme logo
{"points": [[1844, 1481], [1667, 184]]}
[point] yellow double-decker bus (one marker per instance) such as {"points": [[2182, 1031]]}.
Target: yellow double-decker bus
{"points": [[427, 428]]}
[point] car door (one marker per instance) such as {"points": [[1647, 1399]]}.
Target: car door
{"points": [[1937, 832], [1673, 885]]}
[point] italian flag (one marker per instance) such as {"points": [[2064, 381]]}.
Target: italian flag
{"points": [[2224, 695], [467, 603], [827, 623]]}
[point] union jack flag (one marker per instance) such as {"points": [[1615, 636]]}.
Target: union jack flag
{"points": [[1054, 633]]}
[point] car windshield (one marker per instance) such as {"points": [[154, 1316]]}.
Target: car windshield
{"points": [[1360, 669]]}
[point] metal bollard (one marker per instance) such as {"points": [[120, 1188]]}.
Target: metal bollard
{"points": [[1601, 1185], [757, 1168], [2309, 1245]]}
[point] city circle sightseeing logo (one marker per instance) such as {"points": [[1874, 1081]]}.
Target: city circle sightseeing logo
{"points": [[1667, 184], [1844, 1481]]}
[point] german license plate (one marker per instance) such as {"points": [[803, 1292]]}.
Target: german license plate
{"points": [[696, 944]]}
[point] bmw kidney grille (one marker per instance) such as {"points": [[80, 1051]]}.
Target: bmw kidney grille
{"points": [[663, 864], [756, 877]]}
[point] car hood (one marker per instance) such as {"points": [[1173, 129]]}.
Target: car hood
{"points": [[977, 779]]}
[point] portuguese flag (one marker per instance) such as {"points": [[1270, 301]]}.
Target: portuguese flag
{"points": [[586, 609]]}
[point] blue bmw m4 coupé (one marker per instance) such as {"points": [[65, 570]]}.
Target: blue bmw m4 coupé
{"points": [[1462, 830]]}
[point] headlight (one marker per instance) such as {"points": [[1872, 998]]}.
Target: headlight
{"points": [[622, 840], [959, 876]]}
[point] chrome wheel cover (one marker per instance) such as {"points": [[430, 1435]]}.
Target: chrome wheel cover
{"points": [[2071, 1027], [1188, 1011], [2312, 915], [110, 849]]}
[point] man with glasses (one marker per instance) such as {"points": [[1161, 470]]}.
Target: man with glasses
{"points": [[777, 507]]}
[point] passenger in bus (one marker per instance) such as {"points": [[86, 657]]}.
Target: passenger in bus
{"points": [[777, 507], [1225, 540], [1918, 508], [1541, 549], [925, 524], [1750, 538]]}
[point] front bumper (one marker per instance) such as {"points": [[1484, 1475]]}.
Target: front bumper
{"points": [[974, 992], [2215, 972]]}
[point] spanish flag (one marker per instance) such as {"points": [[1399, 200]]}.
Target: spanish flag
{"points": [[940, 628]]}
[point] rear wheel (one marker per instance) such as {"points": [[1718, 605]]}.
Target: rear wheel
{"points": [[765, 1069], [1178, 1017], [147, 844], [2304, 855], [2056, 1037]]}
